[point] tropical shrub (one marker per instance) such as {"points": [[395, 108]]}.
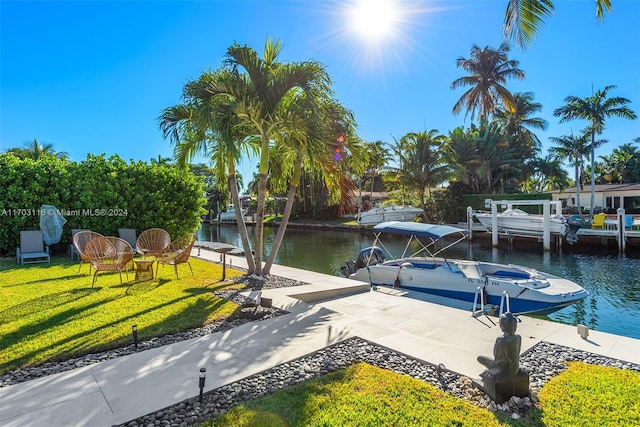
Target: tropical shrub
{"points": [[99, 193]]}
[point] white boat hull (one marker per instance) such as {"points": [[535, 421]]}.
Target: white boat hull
{"points": [[388, 213], [524, 224], [529, 291], [229, 215], [522, 289]]}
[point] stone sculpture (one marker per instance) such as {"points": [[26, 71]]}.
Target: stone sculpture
{"points": [[503, 378]]}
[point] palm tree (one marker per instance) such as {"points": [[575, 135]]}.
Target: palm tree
{"points": [[35, 150], [499, 164], [161, 161], [489, 70], [422, 165], [377, 156], [595, 109], [622, 158], [548, 174], [204, 126], [263, 91], [575, 150], [461, 154], [523, 18], [516, 123], [319, 121]]}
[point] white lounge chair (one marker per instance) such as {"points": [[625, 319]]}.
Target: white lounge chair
{"points": [[32, 248]]}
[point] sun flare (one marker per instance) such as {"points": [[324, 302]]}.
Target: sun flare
{"points": [[375, 19]]}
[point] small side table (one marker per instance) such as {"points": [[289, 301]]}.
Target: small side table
{"points": [[144, 269], [224, 250]]}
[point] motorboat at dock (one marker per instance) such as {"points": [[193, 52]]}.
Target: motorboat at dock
{"points": [[388, 213], [230, 214], [522, 289]]}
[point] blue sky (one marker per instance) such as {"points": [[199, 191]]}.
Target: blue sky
{"points": [[93, 76]]}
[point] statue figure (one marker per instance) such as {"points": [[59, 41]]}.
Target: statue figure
{"points": [[503, 378], [506, 351]]}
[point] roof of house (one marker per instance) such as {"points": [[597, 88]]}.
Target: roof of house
{"points": [[601, 188]]}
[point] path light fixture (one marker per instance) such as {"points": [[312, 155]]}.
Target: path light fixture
{"points": [[203, 374], [134, 330]]}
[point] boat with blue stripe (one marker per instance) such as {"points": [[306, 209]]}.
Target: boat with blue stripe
{"points": [[489, 285]]}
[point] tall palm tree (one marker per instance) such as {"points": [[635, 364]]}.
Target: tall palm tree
{"points": [[489, 70], [516, 123], [209, 127], [523, 18], [574, 149], [596, 109], [263, 90]]}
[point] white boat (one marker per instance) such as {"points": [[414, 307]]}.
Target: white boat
{"points": [[520, 222], [388, 213], [230, 214], [523, 289]]}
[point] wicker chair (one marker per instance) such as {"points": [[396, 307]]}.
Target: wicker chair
{"points": [[153, 242], [80, 240], [178, 253], [109, 254]]}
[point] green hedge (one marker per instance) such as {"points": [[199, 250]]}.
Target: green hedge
{"points": [[99, 193]]}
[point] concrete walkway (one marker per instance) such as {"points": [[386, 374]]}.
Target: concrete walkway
{"points": [[324, 312]]}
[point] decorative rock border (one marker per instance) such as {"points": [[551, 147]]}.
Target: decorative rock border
{"points": [[543, 361]]}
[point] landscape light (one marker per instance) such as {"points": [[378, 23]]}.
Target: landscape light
{"points": [[134, 330], [203, 374]]}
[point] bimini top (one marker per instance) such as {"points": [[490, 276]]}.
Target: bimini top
{"points": [[432, 231]]}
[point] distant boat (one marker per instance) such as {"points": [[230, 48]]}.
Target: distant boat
{"points": [[230, 214], [388, 213]]}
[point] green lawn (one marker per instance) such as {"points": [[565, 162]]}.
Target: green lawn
{"points": [[364, 395], [51, 312]]}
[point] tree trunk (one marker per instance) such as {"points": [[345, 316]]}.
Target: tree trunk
{"points": [[282, 228], [578, 183], [242, 227], [262, 196], [593, 174]]}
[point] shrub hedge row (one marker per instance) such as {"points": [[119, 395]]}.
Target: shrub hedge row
{"points": [[99, 193]]}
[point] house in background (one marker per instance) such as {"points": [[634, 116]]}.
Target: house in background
{"points": [[608, 198]]}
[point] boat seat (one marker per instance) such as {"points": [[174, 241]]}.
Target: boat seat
{"points": [[426, 266], [512, 274]]}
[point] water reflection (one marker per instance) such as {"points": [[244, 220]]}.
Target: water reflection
{"points": [[613, 281]]}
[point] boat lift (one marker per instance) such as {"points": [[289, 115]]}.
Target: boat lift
{"points": [[546, 215]]}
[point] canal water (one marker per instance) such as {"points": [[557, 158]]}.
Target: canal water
{"points": [[613, 280]]}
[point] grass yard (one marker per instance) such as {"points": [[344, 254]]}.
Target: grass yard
{"points": [[51, 312], [364, 395]]}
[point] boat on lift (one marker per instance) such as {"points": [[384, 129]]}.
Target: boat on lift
{"points": [[525, 289]]}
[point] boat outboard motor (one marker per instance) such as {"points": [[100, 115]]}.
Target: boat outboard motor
{"points": [[574, 222], [369, 256]]}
